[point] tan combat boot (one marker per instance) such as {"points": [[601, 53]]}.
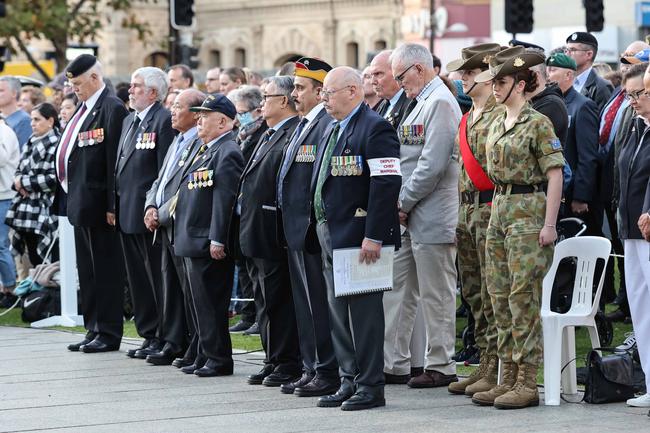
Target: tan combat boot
{"points": [[524, 393], [487, 398], [477, 374], [489, 379]]}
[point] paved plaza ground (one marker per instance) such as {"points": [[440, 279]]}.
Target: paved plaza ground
{"points": [[45, 388]]}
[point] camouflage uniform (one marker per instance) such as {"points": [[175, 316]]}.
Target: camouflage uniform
{"points": [[470, 234], [516, 264]]}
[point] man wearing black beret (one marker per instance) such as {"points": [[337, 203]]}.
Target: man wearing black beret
{"points": [[85, 159], [206, 198], [583, 47]]}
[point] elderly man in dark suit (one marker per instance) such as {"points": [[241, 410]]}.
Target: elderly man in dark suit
{"points": [[355, 208], [581, 148], [257, 210], [583, 47], [394, 104], [176, 325], [320, 369], [206, 198], [85, 159], [146, 135]]}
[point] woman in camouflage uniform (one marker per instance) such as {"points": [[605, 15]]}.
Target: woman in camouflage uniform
{"points": [[524, 160]]}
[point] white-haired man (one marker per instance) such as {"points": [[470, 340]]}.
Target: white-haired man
{"points": [[146, 135], [425, 266]]}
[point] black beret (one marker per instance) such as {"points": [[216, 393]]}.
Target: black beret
{"points": [[216, 103], [80, 65], [583, 38], [518, 43]]}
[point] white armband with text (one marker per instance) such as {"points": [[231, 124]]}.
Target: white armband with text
{"points": [[384, 167]]}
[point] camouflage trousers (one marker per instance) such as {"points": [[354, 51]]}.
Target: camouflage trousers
{"points": [[470, 234], [516, 266]]}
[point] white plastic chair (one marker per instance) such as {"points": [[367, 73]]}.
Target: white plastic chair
{"points": [[559, 329]]}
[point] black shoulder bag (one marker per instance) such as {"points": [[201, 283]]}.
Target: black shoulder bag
{"points": [[609, 378]]}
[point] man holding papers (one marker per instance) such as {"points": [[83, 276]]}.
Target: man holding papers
{"points": [[356, 184]]}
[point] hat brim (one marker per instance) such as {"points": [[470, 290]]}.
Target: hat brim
{"points": [[630, 60], [202, 109], [508, 66], [474, 62], [488, 75]]}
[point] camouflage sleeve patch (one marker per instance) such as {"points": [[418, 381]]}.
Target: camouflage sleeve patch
{"points": [[546, 142]]}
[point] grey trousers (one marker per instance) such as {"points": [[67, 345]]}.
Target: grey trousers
{"points": [[357, 326]]}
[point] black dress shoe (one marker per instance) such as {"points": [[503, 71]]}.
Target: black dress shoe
{"points": [[318, 387], [258, 378], [165, 356], [289, 388], [182, 362], [616, 316], [345, 391], [396, 379], [364, 400], [212, 369], [278, 378], [76, 346], [97, 346], [198, 363], [154, 347], [131, 352]]}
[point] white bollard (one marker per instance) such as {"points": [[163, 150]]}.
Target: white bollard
{"points": [[69, 281]]}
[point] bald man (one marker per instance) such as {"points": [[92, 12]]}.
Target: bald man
{"points": [[355, 183], [394, 103]]}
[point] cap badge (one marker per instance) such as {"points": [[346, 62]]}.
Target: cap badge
{"points": [[69, 74], [518, 63], [306, 62], [486, 59], [574, 36]]}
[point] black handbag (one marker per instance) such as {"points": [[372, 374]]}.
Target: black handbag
{"points": [[609, 378]]}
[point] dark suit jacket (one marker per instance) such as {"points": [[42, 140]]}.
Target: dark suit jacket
{"points": [[370, 136], [258, 237], [136, 169], [398, 112], [581, 148], [296, 198], [249, 143], [91, 169], [173, 183], [597, 89], [204, 214], [634, 176]]}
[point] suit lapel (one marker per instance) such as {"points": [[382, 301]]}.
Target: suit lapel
{"points": [[90, 118], [129, 148], [319, 153], [277, 135]]}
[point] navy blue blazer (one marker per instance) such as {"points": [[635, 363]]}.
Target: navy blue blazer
{"points": [[137, 169], [581, 147], [296, 206], [358, 207], [204, 214]]}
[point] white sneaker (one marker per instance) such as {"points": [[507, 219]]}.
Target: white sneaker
{"points": [[641, 401], [629, 343]]}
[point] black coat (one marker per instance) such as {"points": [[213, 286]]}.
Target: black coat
{"points": [[258, 237], [634, 175], [398, 112], [581, 148], [597, 89], [137, 169], [91, 169], [203, 214], [370, 136], [296, 198]]}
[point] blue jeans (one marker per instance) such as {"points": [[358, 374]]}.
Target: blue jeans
{"points": [[7, 265]]}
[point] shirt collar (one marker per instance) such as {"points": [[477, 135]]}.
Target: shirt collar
{"points": [[313, 113], [343, 123], [427, 89], [189, 134], [581, 79], [210, 143], [142, 114], [392, 101], [90, 103]]}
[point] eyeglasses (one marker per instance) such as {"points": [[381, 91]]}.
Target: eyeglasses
{"points": [[327, 93], [400, 77], [573, 50], [265, 97], [636, 95]]}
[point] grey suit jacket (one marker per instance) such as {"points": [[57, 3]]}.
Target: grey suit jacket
{"points": [[430, 168]]}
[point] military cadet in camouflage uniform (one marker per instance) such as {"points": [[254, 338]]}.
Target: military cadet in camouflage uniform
{"points": [[476, 191], [524, 158]]}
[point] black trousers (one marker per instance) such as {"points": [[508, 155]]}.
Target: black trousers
{"points": [[100, 265], [248, 312], [276, 315], [143, 270], [176, 325], [210, 287], [312, 314], [617, 245]]}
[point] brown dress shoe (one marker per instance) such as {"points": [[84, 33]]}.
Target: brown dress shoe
{"points": [[432, 379]]}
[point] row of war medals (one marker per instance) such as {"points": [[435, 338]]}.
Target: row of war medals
{"points": [[347, 166], [147, 140], [200, 179]]}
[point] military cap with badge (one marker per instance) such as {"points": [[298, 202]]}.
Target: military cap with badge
{"points": [[561, 60], [509, 61]]}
